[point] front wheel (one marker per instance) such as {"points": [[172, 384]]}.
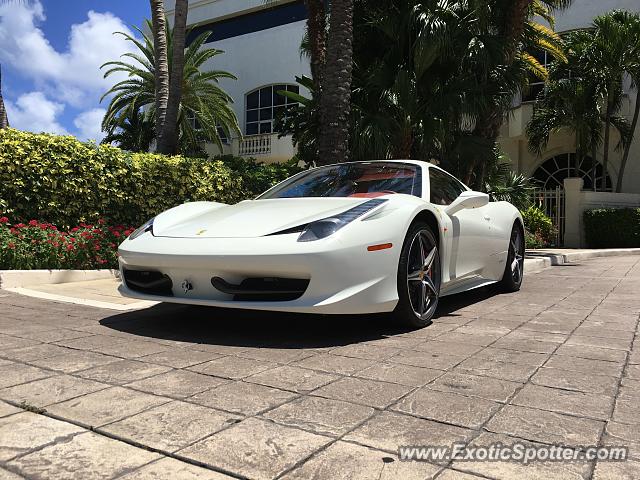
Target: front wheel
{"points": [[514, 269], [419, 277]]}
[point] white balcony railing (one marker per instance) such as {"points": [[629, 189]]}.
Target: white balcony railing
{"points": [[253, 145]]}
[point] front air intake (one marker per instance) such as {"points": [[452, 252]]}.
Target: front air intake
{"points": [[149, 282], [263, 289]]}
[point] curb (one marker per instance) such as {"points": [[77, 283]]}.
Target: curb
{"points": [[537, 260], [24, 278], [83, 301]]}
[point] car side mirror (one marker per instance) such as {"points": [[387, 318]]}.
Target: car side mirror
{"points": [[468, 199]]}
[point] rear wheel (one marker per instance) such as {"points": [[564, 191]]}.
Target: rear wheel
{"points": [[419, 277], [514, 269]]}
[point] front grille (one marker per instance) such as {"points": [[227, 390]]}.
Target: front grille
{"points": [[149, 282], [265, 289]]}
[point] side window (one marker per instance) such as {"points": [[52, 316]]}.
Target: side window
{"points": [[443, 188]]}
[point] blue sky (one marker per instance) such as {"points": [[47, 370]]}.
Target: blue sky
{"points": [[51, 50]]}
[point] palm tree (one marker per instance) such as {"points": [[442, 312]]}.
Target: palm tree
{"points": [[614, 51], [503, 72], [573, 100], [133, 131], [161, 63], [316, 39], [605, 60], [335, 94], [204, 106], [169, 139], [633, 69], [4, 121]]}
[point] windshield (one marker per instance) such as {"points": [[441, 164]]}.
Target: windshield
{"points": [[351, 180]]}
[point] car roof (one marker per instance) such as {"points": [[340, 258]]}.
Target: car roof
{"points": [[413, 162]]}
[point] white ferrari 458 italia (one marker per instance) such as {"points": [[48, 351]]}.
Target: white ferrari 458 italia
{"points": [[349, 238]]}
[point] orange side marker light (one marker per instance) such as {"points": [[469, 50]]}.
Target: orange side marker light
{"points": [[382, 246]]}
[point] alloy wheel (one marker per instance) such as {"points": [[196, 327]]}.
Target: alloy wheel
{"points": [[421, 283]]}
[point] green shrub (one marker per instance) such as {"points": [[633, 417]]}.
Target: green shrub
{"points": [[63, 181], [612, 227], [532, 240], [539, 226], [260, 177]]}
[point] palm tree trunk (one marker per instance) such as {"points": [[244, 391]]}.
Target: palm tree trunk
{"points": [[605, 153], [169, 138], [594, 160], [335, 102], [161, 66], [316, 31], [627, 148], [4, 121]]}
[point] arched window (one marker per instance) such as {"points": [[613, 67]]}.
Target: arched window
{"points": [[264, 105], [552, 172]]}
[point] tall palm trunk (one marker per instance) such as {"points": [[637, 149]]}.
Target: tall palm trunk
{"points": [[159, 22], [4, 121], [316, 32], [335, 102], [627, 148], [605, 146], [168, 143]]}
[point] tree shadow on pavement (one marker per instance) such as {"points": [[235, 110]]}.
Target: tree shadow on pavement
{"points": [[246, 328]]}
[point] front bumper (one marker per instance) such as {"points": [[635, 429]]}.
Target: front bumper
{"points": [[343, 278]]}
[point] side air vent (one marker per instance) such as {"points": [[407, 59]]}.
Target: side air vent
{"points": [[149, 282], [263, 289]]}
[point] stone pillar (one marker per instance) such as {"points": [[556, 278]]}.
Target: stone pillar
{"points": [[573, 212]]}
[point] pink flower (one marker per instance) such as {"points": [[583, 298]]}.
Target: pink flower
{"points": [[101, 221], [11, 245], [4, 220], [33, 223]]}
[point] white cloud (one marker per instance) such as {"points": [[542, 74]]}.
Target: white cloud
{"points": [[89, 124], [72, 75], [34, 112]]}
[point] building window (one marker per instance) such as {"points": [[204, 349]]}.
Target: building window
{"points": [[531, 91], [552, 172], [195, 124], [264, 105], [257, 21]]}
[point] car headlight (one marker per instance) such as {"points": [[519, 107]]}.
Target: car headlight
{"points": [[147, 227], [328, 226]]}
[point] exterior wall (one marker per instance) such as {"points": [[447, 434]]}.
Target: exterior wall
{"points": [[577, 201], [257, 59], [581, 12]]}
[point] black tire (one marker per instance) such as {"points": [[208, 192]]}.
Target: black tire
{"points": [[425, 279], [514, 271]]}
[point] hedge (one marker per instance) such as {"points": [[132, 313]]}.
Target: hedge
{"points": [[612, 227], [64, 181]]}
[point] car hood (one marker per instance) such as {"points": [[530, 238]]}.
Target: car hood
{"points": [[251, 218]]}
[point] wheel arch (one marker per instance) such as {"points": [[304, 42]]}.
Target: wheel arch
{"points": [[430, 219]]}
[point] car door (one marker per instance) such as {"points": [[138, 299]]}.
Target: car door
{"points": [[470, 228]]}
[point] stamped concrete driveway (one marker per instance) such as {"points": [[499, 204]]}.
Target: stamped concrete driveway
{"points": [[177, 392]]}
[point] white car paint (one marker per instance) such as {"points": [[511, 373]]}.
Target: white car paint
{"points": [[195, 241]]}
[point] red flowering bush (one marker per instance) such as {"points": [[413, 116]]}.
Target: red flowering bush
{"points": [[39, 245]]}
